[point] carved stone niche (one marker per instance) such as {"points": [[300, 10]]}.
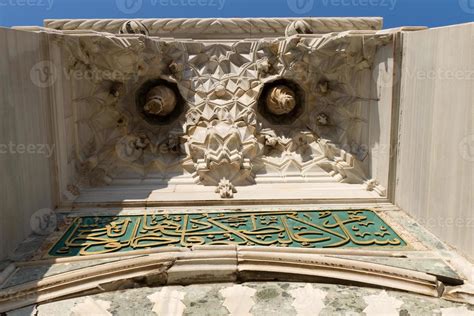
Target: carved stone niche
{"points": [[159, 101], [184, 108], [281, 102]]}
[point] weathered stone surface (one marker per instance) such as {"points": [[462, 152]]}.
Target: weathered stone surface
{"points": [[274, 111], [436, 158], [268, 299]]}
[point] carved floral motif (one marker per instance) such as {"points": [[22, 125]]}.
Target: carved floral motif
{"points": [[226, 189], [223, 149], [281, 100]]}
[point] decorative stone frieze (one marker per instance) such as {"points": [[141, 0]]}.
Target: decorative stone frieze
{"points": [[217, 27], [133, 27]]}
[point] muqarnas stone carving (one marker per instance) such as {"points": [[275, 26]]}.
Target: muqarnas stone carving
{"points": [[231, 111]]}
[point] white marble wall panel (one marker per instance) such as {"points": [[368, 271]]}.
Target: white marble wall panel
{"points": [[25, 140], [380, 116], [436, 154]]}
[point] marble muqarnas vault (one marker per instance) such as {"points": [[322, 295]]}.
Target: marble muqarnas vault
{"points": [[224, 113], [189, 151]]}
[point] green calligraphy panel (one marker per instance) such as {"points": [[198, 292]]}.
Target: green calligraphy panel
{"points": [[302, 229]]}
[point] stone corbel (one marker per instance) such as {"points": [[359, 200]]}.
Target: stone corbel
{"points": [[226, 189]]}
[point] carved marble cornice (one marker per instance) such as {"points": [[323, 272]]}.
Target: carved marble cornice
{"points": [[219, 27]]}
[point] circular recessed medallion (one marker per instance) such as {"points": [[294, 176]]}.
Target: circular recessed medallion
{"points": [[281, 100], [159, 101]]}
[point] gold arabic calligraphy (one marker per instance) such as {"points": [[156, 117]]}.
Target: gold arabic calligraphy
{"points": [[313, 229]]}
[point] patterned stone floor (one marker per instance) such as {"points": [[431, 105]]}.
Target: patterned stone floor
{"points": [[258, 299]]}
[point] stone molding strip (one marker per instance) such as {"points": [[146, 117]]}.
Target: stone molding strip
{"points": [[219, 27], [153, 251], [216, 264]]}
